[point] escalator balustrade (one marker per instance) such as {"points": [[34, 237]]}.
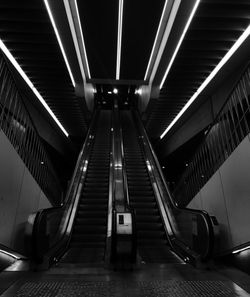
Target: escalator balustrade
{"points": [[151, 236], [88, 240]]}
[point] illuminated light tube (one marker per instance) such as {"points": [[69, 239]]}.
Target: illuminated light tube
{"points": [[156, 38], [241, 250], [29, 83], [9, 254], [119, 40], [59, 41], [82, 40], [180, 41], [223, 61]]}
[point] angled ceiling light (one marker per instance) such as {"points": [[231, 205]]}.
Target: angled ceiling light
{"points": [[156, 39], [223, 61], [115, 91], [119, 40], [59, 41], [10, 254], [73, 16], [180, 42], [82, 40], [241, 250], [30, 84]]}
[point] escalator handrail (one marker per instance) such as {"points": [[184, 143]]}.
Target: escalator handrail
{"points": [[69, 198], [203, 213], [124, 172]]}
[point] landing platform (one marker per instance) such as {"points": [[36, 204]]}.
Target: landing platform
{"points": [[180, 280]]}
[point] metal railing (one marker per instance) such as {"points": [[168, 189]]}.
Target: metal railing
{"points": [[50, 229], [230, 127], [190, 232], [17, 125]]}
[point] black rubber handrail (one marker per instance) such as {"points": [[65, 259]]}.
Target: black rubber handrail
{"points": [[204, 214], [69, 201]]}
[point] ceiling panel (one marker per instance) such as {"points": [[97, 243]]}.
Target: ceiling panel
{"points": [[99, 21], [27, 32], [140, 22], [213, 31]]}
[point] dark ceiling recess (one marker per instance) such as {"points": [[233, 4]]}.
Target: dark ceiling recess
{"points": [[27, 32], [100, 24], [99, 21], [215, 28], [140, 22]]}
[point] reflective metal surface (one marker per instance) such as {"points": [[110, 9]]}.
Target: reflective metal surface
{"points": [[189, 230]]}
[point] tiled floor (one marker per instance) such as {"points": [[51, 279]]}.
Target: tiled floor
{"points": [[147, 280]]}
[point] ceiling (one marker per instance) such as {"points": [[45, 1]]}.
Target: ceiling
{"points": [[26, 30], [215, 27]]}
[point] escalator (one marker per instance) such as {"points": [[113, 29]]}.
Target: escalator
{"points": [[88, 239], [151, 235]]}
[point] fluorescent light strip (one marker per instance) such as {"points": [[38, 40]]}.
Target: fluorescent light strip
{"points": [[74, 36], [9, 254], [29, 83], [82, 39], [119, 39], [241, 250], [156, 38], [165, 37], [180, 42], [59, 41], [223, 61]]}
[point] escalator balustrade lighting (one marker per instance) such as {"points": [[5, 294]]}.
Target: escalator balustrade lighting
{"points": [[31, 86], [241, 250], [10, 254], [223, 61], [59, 41]]}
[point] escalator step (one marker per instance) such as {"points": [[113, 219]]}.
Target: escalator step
{"points": [[143, 205], [88, 238], [94, 207], [87, 244], [91, 214], [89, 229], [90, 221]]}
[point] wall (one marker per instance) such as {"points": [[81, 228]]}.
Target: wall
{"points": [[200, 114], [227, 196], [20, 195]]}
